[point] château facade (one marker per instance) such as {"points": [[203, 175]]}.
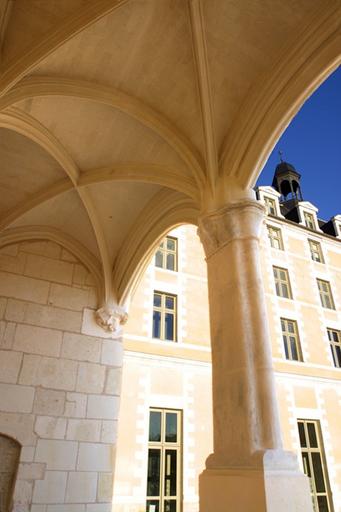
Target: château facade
{"points": [[167, 369]]}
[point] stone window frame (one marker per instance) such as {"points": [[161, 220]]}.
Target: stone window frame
{"points": [[311, 442], [163, 310], [164, 251], [325, 292], [316, 251], [270, 204], [162, 446], [335, 345], [272, 232], [281, 283], [291, 333], [309, 220]]}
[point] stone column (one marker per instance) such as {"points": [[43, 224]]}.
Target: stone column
{"points": [[248, 470]]}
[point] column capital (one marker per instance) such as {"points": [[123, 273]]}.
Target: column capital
{"points": [[241, 220], [111, 319]]}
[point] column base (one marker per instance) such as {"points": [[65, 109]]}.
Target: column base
{"points": [[270, 488]]}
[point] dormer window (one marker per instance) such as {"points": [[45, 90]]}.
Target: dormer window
{"points": [[309, 220], [270, 206]]}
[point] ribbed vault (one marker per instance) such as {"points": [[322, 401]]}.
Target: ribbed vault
{"points": [[122, 118]]}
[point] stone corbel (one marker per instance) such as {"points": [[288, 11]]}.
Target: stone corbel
{"points": [[111, 320]]}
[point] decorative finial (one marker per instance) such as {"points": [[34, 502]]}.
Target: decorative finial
{"points": [[280, 152]]}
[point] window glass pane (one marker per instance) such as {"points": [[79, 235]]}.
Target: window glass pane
{"points": [[301, 432], [291, 327], [156, 324], [169, 326], [158, 259], [286, 347], [282, 275], [153, 506], [153, 479], [155, 426], [306, 464], [170, 472], [171, 427], [338, 357], [169, 302], [294, 352], [171, 244], [318, 473], [323, 504], [312, 435], [170, 261], [157, 300], [170, 506], [285, 291]]}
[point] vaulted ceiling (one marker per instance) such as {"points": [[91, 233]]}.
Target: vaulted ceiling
{"points": [[122, 118]]}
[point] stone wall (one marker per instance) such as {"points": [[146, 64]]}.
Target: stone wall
{"points": [[59, 381]]}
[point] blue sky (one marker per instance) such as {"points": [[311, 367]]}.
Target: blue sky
{"points": [[312, 143]]}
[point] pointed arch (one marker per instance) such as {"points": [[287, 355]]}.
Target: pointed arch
{"points": [[269, 109], [165, 210], [30, 233]]}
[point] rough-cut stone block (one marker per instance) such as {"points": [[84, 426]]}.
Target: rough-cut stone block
{"points": [[15, 398], [79, 274], [81, 487], [13, 264], [19, 426], [67, 256], [48, 372], [95, 457], [22, 493], [92, 298], [37, 340], [81, 347], [103, 407], [66, 508], [105, 487], [51, 488], [68, 297], [99, 507], [31, 471], [3, 305], [58, 455], [48, 427], [112, 353], [113, 382], [10, 250], [56, 318], [9, 365], [48, 401], [42, 248], [38, 508], [50, 269], [109, 431], [24, 288], [90, 378], [7, 331], [75, 406], [15, 310], [27, 453], [84, 430]]}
